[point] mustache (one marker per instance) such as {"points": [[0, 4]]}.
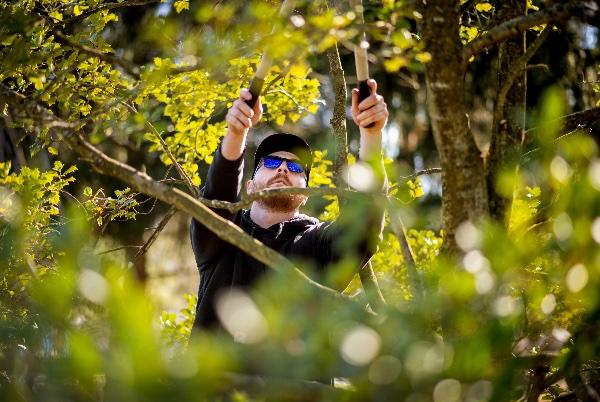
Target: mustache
{"points": [[280, 176]]}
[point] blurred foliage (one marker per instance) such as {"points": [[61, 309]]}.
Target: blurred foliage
{"points": [[75, 326]]}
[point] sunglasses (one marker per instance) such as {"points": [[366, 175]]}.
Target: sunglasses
{"points": [[273, 162]]}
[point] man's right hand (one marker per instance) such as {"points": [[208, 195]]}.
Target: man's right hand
{"points": [[240, 118]]}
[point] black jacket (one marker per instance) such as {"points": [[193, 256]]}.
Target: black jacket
{"points": [[223, 266]]}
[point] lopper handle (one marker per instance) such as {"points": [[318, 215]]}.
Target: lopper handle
{"points": [[255, 89]]}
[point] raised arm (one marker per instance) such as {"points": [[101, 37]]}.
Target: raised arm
{"points": [[224, 179], [356, 232]]}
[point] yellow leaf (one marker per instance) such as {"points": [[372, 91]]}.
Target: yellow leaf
{"points": [[483, 7], [395, 63], [56, 15], [52, 151], [280, 120], [299, 70], [38, 82], [85, 109], [181, 5], [424, 57], [77, 10]]}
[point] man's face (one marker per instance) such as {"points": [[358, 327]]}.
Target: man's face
{"points": [[275, 178]]}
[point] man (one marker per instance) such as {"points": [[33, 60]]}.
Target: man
{"points": [[281, 160]]}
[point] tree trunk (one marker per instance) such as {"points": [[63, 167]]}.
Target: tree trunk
{"points": [[509, 122], [464, 191]]}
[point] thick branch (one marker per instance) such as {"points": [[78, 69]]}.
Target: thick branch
{"points": [[129, 68], [338, 119], [223, 228], [558, 12]]}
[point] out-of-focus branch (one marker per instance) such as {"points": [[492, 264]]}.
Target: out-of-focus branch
{"points": [[557, 13], [414, 278]]}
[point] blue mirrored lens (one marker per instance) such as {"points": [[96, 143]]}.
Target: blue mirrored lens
{"points": [[273, 162], [294, 167]]}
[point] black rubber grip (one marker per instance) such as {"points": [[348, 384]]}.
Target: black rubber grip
{"points": [[363, 93], [255, 89]]}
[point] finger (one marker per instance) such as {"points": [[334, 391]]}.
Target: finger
{"points": [[374, 118], [373, 85], [370, 102], [242, 107], [245, 94], [244, 119], [375, 108], [355, 109]]}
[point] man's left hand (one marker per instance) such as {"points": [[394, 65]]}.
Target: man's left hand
{"points": [[371, 110]]}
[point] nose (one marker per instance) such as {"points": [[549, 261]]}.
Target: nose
{"points": [[283, 167]]}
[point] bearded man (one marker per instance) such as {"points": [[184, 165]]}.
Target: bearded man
{"points": [[281, 160]]}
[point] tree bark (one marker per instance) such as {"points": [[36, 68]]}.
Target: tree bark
{"points": [[464, 191]]}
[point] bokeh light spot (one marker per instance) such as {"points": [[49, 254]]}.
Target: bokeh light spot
{"points": [[447, 390], [577, 278], [360, 345], [241, 317]]}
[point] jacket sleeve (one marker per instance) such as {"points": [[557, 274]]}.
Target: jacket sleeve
{"points": [[223, 182]]}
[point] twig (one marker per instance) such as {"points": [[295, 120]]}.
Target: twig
{"points": [[163, 222], [112, 250], [467, 6], [165, 147], [421, 173]]}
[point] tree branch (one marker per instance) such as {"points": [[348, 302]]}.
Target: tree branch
{"points": [[338, 119], [223, 228], [414, 277], [468, 5], [107, 6], [161, 225], [283, 389], [558, 12], [570, 123], [518, 67], [129, 68]]}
